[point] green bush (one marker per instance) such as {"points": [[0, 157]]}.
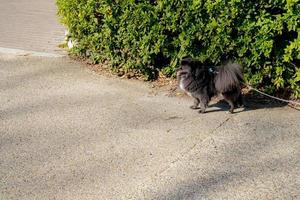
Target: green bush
{"points": [[148, 36]]}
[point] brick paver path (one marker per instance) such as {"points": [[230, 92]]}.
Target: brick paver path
{"points": [[30, 25]]}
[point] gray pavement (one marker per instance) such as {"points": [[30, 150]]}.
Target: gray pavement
{"points": [[30, 25], [67, 133]]}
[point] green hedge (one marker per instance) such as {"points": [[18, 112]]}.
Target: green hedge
{"points": [[150, 36]]}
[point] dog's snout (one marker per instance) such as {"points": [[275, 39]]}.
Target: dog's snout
{"points": [[181, 72]]}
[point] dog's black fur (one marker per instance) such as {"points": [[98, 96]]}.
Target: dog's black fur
{"points": [[203, 82]]}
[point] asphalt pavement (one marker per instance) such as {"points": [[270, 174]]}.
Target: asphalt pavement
{"points": [[68, 133]]}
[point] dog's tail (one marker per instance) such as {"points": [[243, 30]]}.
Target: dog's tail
{"points": [[229, 77]]}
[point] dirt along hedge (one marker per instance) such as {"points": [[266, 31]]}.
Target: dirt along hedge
{"points": [[150, 36]]}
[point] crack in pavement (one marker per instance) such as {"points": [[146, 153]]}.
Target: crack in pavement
{"points": [[183, 154], [186, 152]]}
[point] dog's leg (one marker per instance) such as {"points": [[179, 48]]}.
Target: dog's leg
{"points": [[203, 103], [240, 101], [196, 104], [230, 101]]}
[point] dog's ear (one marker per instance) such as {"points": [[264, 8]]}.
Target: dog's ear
{"points": [[187, 61]]}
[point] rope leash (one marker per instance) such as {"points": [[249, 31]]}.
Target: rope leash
{"points": [[270, 96]]}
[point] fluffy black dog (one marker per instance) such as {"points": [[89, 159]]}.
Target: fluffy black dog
{"points": [[202, 82]]}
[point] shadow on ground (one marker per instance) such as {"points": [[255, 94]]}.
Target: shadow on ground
{"points": [[252, 101]]}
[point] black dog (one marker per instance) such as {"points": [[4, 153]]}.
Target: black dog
{"points": [[202, 82]]}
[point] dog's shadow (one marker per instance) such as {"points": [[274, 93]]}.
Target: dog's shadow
{"points": [[252, 102]]}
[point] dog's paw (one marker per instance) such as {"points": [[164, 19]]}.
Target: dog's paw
{"points": [[201, 111], [231, 111], [194, 107]]}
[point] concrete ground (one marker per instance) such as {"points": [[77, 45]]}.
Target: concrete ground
{"points": [[67, 133], [30, 25]]}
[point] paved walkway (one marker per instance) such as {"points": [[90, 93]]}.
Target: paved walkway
{"points": [[30, 25], [69, 134], [66, 133]]}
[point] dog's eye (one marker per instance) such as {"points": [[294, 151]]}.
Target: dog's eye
{"points": [[179, 68]]}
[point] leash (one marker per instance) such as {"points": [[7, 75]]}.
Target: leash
{"points": [[273, 97]]}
